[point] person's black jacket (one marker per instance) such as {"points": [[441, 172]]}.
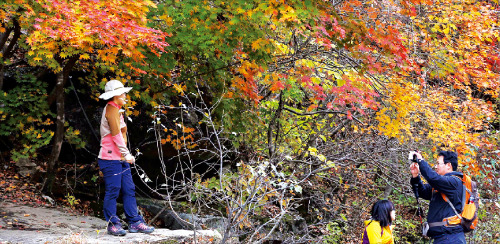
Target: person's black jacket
{"points": [[439, 209]]}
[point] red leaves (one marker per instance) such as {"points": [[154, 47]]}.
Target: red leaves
{"points": [[315, 88], [349, 115], [332, 23], [15, 189], [86, 25], [247, 85], [277, 86]]}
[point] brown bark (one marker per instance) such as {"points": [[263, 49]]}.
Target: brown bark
{"points": [[3, 40], [59, 134], [8, 51], [4, 37], [274, 124]]}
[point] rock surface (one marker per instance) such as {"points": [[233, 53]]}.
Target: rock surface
{"points": [[26, 167], [179, 220], [26, 224]]}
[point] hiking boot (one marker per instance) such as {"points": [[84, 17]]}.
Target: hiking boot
{"points": [[116, 230], [140, 226]]}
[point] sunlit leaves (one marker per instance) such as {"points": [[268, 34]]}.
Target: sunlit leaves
{"points": [[101, 28], [453, 47]]}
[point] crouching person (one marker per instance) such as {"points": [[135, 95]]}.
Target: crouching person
{"points": [[378, 230]]}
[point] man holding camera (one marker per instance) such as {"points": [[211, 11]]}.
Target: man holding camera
{"points": [[443, 179]]}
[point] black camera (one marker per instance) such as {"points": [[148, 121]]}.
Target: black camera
{"points": [[413, 156]]}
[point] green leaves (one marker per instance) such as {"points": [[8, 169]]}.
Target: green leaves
{"points": [[25, 116]]}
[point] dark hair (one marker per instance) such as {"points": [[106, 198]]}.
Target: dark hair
{"points": [[450, 157], [381, 212]]}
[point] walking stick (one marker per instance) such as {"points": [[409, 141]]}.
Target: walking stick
{"points": [[415, 191], [419, 209]]}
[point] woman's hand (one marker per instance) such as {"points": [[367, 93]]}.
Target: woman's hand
{"points": [[130, 159]]}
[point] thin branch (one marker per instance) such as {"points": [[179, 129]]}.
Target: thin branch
{"points": [[320, 112]]}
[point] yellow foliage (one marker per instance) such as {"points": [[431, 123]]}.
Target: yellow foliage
{"points": [[180, 88]]}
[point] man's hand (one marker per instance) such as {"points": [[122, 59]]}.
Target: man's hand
{"points": [[414, 170], [413, 154], [419, 156], [414, 166]]}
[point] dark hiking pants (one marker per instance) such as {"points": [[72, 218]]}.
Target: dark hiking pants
{"points": [[118, 178]]}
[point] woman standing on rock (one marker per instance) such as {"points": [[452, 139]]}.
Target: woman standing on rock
{"points": [[114, 162]]}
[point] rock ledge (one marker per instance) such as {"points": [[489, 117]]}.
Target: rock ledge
{"points": [[25, 224]]}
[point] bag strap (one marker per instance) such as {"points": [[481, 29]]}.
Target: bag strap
{"points": [[451, 205], [434, 224], [445, 222], [464, 200]]}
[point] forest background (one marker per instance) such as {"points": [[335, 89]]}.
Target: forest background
{"points": [[288, 119]]}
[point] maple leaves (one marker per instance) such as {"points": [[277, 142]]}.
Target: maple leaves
{"points": [[459, 39], [392, 61], [101, 28], [357, 58], [285, 79], [450, 44]]}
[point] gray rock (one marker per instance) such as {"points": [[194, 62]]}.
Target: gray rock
{"points": [[25, 224], [26, 167], [176, 220]]}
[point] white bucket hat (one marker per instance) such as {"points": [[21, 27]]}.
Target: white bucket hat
{"points": [[114, 88]]}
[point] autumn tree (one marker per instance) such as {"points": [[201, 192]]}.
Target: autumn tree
{"points": [[62, 34], [300, 109], [294, 77], [331, 90], [450, 99]]}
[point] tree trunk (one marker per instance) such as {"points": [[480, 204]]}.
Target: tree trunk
{"points": [[2, 75], [387, 191], [59, 135], [3, 40], [8, 51], [271, 146]]}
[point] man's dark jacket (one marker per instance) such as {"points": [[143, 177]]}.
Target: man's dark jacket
{"points": [[439, 209]]}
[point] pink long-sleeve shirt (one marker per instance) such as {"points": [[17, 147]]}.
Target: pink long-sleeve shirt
{"points": [[112, 125]]}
